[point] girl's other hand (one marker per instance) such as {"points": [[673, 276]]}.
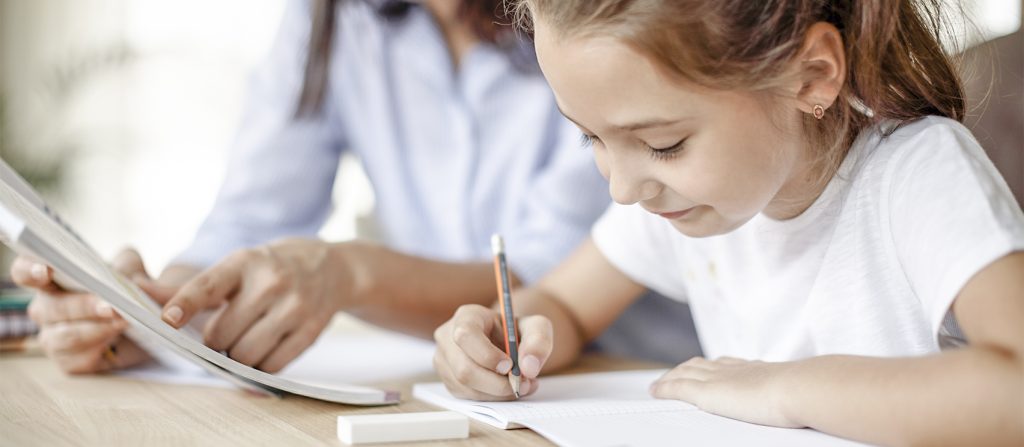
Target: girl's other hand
{"points": [[750, 391], [472, 362]]}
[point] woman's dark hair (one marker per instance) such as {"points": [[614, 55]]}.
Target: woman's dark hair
{"points": [[486, 17]]}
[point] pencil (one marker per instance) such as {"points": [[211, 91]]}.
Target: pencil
{"points": [[508, 319]]}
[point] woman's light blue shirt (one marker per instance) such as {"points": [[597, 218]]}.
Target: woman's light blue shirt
{"points": [[453, 154]]}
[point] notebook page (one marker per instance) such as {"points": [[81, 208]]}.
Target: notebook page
{"points": [[610, 393], [614, 409], [681, 428]]}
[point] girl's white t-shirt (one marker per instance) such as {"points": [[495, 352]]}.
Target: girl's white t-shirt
{"points": [[871, 268]]}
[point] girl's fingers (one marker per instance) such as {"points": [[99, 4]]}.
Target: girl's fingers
{"points": [[473, 367], [460, 389], [470, 329], [470, 374], [537, 340], [687, 368], [730, 361], [684, 380], [681, 389]]}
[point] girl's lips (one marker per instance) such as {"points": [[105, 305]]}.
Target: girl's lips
{"points": [[676, 214]]}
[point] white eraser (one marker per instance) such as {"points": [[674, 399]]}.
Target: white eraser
{"points": [[402, 427]]}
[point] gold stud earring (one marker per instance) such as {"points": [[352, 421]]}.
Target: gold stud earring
{"points": [[818, 111]]}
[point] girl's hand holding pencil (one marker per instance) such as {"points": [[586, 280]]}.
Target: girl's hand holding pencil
{"points": [[470, 356]]}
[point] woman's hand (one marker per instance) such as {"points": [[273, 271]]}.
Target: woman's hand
{"points": [[79, 331], [273, 300], [473, 366], [750, 391]]}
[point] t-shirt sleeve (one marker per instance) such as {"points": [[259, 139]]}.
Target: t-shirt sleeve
{"points": [[641, 246], [950, 213]]}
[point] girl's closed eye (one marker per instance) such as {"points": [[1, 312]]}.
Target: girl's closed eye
{"points": [[667, 153], [587, 140], [663, 153]]}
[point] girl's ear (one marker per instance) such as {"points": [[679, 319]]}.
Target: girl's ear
{"points": [[821, 66]]}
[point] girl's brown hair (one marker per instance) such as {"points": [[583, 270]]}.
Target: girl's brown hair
{"points": [[486, 18], [896, 67]]}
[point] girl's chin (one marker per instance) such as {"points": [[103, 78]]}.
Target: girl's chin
{"points": [[705, 224]]}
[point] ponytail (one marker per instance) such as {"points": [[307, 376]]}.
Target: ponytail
{"points": [[897, 66]]}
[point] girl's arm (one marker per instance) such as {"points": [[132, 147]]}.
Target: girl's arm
{"points": [[584, 295], [969, 396], [557, 317]]}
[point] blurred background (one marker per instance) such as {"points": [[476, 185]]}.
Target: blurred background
{"points": [[121, 111]]}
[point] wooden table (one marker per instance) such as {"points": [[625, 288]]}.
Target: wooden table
{"points": [[43, 406]]}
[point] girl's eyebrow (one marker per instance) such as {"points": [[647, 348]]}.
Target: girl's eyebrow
{"points": [[582, 127], [643, 124], [647, 124]]}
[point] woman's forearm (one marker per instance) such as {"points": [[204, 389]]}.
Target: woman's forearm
{"points": [[408, 293]]}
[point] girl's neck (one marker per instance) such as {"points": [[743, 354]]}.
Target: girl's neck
{"points": [[802, 188]]}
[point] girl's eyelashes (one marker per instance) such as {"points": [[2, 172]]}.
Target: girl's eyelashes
{"points": [[667, 153], [587, 140]]}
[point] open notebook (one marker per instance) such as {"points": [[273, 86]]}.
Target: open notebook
{"points": [[29, 227], [615, 409]]}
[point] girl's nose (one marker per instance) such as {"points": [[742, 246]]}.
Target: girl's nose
{"points": [[629, 183]]}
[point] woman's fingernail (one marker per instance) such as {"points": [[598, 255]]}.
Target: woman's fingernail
{"points": [[530, 366], [40, 272], [173, 315], [504, 366], [103, 309]]}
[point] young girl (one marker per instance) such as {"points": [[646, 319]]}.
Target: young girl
{"points": [[797, 172]]}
